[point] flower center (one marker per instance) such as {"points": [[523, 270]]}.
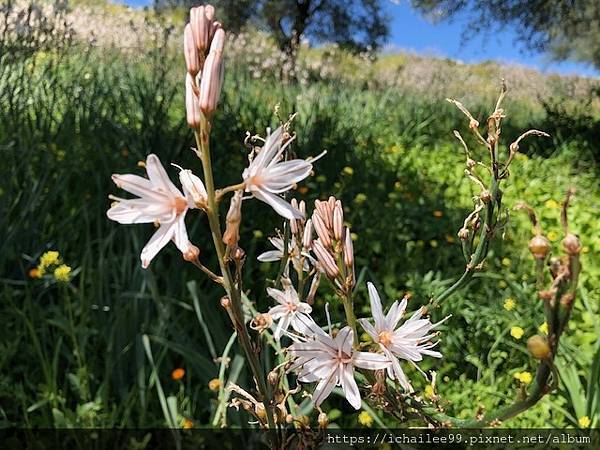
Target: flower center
{"points": [[180, 204], [291, 307], [385, 338]]}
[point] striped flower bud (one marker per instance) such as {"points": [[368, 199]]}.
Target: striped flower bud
{"points": [[338, 221], [348, 251], [302, 208], [326, 260], [323, 211], [201, 27], [192, 62], [314, 285], [294, 222], [192, 103], [308, 235], [212, 75], [321, 230], [231, 237]]}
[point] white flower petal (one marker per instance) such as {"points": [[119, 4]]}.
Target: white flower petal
{"points": [[180, 236], [270, 256], [370, 361], [280, 206], [325, 387], [136, 185], [349, 386], [369, 329], [376, 309], [158, 176], [159, 239]]}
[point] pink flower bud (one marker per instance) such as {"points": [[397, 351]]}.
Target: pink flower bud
{"points": [[321, 230], [192, 62], [323, 212], [192, 102], [308, 235], [338, 221], [201, 28], [314, 285], [348, 250], [326, 260], [302, 208], [231, 236], [213, 29], [212, 75], [293, 222]]}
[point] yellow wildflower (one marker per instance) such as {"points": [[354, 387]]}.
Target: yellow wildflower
{"points": [[360, 198], [543, 328], [437, 214], [517, 332], [429, 392], [365, 419], [550, 204], [509, 304], [506, 262], [187, 424], [552, 235], [584, 422], [524, 377], [49, 258], [433, 243], [348, 170], [62, 273]]}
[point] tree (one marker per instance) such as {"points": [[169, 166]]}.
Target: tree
{"points": [[567, 29], [353, 24]]}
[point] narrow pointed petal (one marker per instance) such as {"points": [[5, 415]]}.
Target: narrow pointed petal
{"points": [[280, 206], [350, 387], [270, 256], [376, 309], [369, 329], [325, 387], [158, 176], [159, 239]]}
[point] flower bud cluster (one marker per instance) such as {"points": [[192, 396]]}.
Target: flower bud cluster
{"points": [[333, 247], [203, 45]]}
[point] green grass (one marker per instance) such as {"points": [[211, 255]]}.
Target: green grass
{"points": [[78, 354]]}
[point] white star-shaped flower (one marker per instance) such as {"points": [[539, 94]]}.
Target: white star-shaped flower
{"points": [[410, 341], [267, 176], [330, 361], [289, 311], [159, 202]]}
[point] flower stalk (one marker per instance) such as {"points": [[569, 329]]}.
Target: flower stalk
{"points": [[235, 311]]}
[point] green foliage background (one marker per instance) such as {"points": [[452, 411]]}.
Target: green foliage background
{"points": [[71, 116]]}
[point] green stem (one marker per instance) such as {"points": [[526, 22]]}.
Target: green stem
{"points": [[236, 310], [350, 317], [482, 246]]}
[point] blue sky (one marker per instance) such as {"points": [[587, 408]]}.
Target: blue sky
{"points": [[410, 31]]}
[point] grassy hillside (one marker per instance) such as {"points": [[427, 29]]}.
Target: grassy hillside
{"points": [[73, 111]]}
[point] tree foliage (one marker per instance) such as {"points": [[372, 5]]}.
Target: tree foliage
{"points": [[567, 29], [353, 24]]}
